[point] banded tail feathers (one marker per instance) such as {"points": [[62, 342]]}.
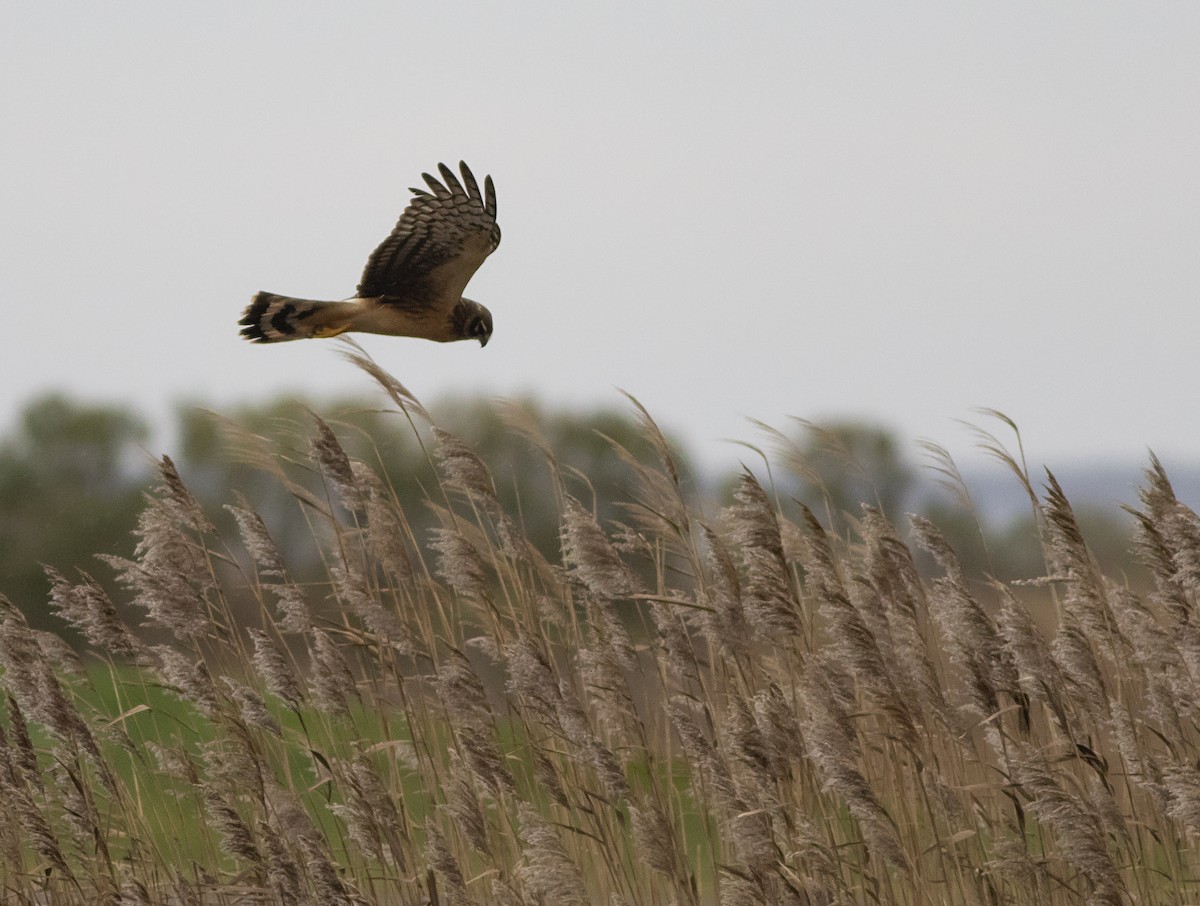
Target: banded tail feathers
{"points": [[272, 318]]}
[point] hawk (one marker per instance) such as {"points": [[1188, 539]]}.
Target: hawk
{"points": [[413, 283]]}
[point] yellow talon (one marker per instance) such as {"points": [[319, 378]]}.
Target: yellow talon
{"points": [[322, 332]]}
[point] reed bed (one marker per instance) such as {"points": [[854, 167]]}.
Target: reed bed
{"points": [[705, 704]]}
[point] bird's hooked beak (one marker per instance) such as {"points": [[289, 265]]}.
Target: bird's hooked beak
{"points": [[483, 340]]}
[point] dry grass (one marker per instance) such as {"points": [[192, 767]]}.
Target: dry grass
{"points": [[696, 707]]}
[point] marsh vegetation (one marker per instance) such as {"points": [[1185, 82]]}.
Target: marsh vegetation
{"points": [[684, 702]]}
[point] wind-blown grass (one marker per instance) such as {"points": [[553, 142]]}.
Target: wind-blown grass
{"points": [[701, 705]]}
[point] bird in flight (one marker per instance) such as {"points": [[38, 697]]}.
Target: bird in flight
{"points": [[413, 283]]}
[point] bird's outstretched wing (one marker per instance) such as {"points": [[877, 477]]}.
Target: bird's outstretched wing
{"points": [[439, 242]]}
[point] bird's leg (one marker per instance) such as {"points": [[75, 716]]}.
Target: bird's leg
{"points": [[331, 331]]}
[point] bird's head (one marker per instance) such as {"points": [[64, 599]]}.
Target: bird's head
{"points": [[476, 322]]}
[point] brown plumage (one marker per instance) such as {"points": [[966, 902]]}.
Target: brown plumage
{"points": [[413, 283]]}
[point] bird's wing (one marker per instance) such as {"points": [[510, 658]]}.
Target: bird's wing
{"points": [[439, 242]]}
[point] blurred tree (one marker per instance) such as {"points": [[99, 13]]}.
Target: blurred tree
{"points": [[71, 481]]}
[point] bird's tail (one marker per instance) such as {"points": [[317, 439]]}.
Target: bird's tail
{"points": [[270, 318]]}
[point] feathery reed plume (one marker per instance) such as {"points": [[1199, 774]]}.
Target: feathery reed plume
{"points": [[174, 762], [283, 874], [257, 540], [725, 622], [387, 530], [88, 608], [357, 597], [654, 837], [234, 762], [1182, 783], [737, 889], [236, 838], [31, 682], [547, 777], [1084, 600], [1170, 683], [930, 539], [133, 892], [608, 691], [746, 823], [1037, 672], [834, 748], [37, 830], [323, 875], [275, 670], [546, 867], [189, 677], [742, 739], [853, 641], [1182, 532], [60, 716], [894, 578], [61, 656], [369, 813], [578, 730], [20, 656], [767, 594], [441, 859], [460, 564], [331, 459], [370, 786], [1068, 550], [293, 611], [532, 678], [678, 653], [462, 469], [702, 753], [1078, 829], [295, 828], [464, 805], [20, 763], [781, 736], [590, 556], [1169, 544], [968, 633], [180, 499], [1075, 658], [171, 577], [252, 707], [608, 631], [1154, 544], [463, 696], [331, 682]]}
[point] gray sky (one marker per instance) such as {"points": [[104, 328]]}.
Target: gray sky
{"points": [[898, 212]]}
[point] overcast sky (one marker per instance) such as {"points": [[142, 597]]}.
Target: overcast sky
{"points": [[889, 211]]}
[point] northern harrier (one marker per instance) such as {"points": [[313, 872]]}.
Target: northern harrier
{"points": [[413, 283]]}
